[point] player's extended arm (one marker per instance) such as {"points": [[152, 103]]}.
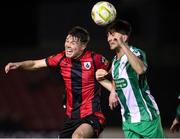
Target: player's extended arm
{"points": [[113, 97], [26, 65], [100, 76], [110, 86]]}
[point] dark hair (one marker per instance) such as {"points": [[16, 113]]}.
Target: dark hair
{"points": [[81, 33], [120, 26]]}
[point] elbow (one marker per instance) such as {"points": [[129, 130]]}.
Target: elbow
{"points": [[141, 70]]}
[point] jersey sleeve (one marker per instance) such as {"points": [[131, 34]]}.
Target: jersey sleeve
{"points": [[141, 54], [101, 62], [53, 60]]}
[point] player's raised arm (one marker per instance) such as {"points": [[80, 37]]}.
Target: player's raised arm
{"points": [[136, 63], [26, 65]]}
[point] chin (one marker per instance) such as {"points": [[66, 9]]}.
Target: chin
{"points": [[112, 48], [69, 56]]}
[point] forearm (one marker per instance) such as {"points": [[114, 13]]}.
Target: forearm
{"points": [[136, 63], [106, 84], [26, 65], [113, 88]]}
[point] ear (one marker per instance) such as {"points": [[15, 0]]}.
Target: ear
{"points": [[83, 46], [125, 38]]}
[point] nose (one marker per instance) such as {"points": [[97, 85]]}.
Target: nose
{"points": [[109, 39], [67, 45]]}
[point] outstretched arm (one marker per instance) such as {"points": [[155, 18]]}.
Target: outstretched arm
{"points": [[110, 86], [113, 97], [100, 76], [26, 65]]}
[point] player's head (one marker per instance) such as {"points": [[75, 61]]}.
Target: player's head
{"points": [[119, 28], [76, 42]]}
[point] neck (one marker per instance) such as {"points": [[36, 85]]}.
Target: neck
{"points": [[119, 53], [78, 56]]}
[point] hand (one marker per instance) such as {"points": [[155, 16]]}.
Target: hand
{"points": [[11, 66], [100, 74], [113, 100], [175, 125], [120, 39]]}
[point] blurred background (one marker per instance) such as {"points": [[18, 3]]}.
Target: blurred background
{"points": [[31, 102]]}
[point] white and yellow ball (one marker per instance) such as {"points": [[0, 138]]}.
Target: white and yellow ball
{"points": [[103, 13]]}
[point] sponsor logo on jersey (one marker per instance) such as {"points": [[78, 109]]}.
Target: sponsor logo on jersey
{"points": [[121, 83]]}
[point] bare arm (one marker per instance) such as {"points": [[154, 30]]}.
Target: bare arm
{"points": [[110, 86], [26, 65], [100, 76], [136, 63], [106, 84], [113, 97]]}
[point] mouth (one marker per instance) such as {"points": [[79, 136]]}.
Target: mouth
{"points": [[69, 52], [112, 43]]}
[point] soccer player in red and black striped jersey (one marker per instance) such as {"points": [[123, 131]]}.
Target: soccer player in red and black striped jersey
{"points": [[77, 65]]}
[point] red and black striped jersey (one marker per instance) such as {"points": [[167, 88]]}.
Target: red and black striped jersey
{"points": [[82, 89]]}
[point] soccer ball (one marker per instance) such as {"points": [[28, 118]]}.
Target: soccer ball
{"points": [[103, 13]]}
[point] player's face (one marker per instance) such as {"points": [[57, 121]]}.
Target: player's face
{"points": [[112, 38], [73, 47]]}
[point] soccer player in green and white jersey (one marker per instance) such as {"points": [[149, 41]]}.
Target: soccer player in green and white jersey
{"points": [[140, 113], [176, 122]]}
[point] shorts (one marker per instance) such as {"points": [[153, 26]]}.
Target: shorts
{"points": [[70, 125], [144, 129]]}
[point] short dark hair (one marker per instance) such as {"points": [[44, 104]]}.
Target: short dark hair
{"points": [[81, 33], [120, 26]]}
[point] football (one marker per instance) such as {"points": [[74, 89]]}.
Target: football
{"points": [[103, 13]]}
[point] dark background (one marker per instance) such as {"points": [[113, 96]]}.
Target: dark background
{"points": [[31, 101]]}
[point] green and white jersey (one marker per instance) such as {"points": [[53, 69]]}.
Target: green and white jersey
{"points": [[137, 104]]}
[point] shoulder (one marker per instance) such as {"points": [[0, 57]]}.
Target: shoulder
{"points": [[114, 58], [61, 53], [137, 51], [93, 54], [58, 55], [97, 54]]}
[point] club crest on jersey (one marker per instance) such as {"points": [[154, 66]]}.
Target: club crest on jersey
{"points": [[87, 65]]}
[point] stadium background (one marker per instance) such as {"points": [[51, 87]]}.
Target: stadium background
{"points": [[30, 102]]}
